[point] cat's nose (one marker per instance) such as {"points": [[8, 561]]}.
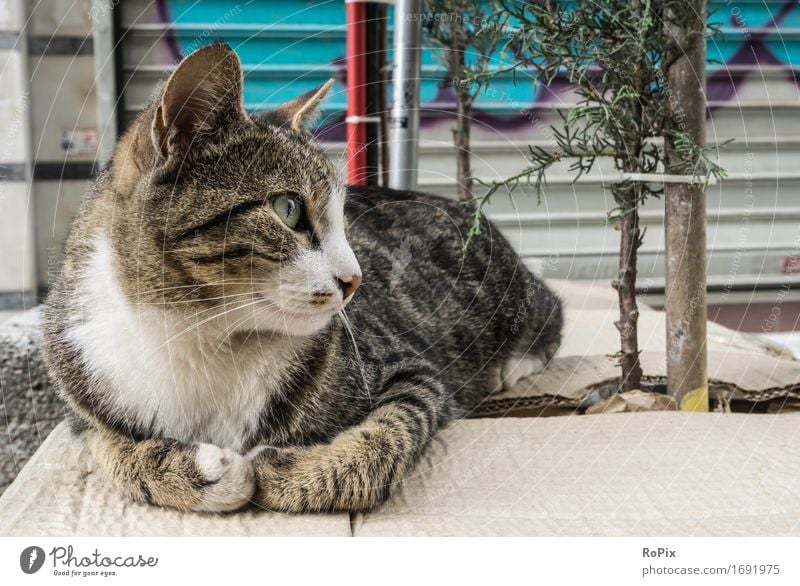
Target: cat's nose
{"points": [[348, 284]]}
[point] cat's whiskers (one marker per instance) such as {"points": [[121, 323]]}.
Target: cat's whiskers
{"points": [[182, 317], [169, 303], [191, 290], [206, 320], [348, 328], [197, 286], [182, 301], [226, 281], [280, 314], [298, 361], [232, 329], [263, 317]]}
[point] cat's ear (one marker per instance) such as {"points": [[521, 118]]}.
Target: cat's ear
{"points": [[202, 96], [298, 113]]}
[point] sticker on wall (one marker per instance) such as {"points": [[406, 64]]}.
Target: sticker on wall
{"points": [[791, 265], [81, 141]]}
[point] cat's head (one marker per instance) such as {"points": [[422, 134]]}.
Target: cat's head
{"points": [[217, 211]]}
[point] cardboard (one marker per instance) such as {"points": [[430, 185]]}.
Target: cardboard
{"points": [[741, 367], [60, 492], [659, 473], [633, 402], [580, 381], [627, 474]]}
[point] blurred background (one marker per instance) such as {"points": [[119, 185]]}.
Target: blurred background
{"points": [[76, 72]]}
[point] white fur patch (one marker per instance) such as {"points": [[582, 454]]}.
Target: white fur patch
{"points": [[231, 476], [173, 375], [518, 367]]}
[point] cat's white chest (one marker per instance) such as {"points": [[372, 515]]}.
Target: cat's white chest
{"points": [[170, 376]]}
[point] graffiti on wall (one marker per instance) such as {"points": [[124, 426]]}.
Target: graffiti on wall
{"points": [[292, 46]]}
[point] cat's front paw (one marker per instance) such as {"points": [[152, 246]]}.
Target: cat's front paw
{"points": [[277, 479], [518, 367], [229, 479]]}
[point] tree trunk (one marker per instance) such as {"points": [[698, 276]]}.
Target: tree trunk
{"points": [[630, 240], [456, 63], [685, 223], [461, 141]]}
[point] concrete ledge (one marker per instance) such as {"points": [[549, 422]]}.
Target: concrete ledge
{"points": [[29, 408]]}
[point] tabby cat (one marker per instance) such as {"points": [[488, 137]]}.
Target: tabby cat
{"points": [[211, 333]]}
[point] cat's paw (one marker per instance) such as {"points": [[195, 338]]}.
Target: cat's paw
{"points": [[229, 479], [279, 487], [518, 367]]}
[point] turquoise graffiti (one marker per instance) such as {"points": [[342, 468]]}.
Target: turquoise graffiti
{"points": [[291, 46]]}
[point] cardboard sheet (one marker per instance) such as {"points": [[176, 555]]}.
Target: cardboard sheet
{"points": [[60, 493], [641, 474], [740, 366], [570, 381], [634, 401], [657, 473]]}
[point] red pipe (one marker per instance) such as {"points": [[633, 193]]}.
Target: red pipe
{"points": [[356, 93]]}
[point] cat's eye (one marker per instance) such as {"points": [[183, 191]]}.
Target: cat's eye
{"points": [[289, 207]]}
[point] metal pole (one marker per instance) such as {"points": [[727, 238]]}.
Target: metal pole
{"points": [[685, 221], [373, 70], [404, 120], [356, 93]]}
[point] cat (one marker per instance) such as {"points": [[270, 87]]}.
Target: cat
{"points": [[232, 325]]}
